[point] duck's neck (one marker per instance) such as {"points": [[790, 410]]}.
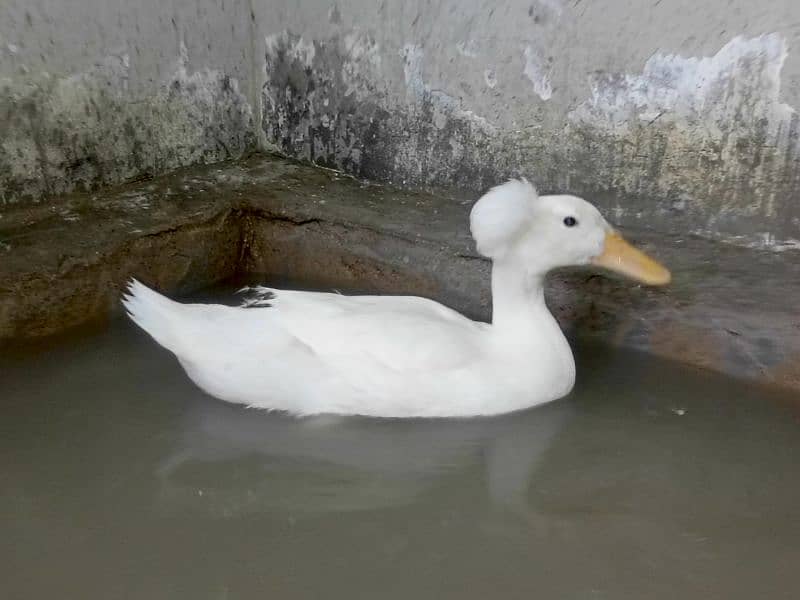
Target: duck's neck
{"points": [[527, 334], [517, 298]]}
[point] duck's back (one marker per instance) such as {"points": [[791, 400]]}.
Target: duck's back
{"points": [[307, 352], [403, 333]]}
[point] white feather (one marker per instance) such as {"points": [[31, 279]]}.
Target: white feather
{"points": [[500, 215]]}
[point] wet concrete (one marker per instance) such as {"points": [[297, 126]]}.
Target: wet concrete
{"points": [[62, 264]]}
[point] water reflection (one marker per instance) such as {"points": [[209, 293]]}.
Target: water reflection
{"points": [[232, 460]]}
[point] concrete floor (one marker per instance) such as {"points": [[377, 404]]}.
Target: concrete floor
{"points": [[263, 218]]}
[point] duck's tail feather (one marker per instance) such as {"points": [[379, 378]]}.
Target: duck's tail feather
{"points": [[154, 313], [256, 297]]}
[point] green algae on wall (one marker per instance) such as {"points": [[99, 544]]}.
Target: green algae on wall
{"points": [[82, 131], [98, 92]]}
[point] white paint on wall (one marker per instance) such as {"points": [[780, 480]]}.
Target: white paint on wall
{"points": [[301, 50], [537, 74], [469, 48], [553, 5], [445, 106], [360, 47], [412, 69], [490, 78], [745, 73], [362, 64]]}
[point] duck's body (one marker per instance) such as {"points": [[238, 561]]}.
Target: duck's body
{"points": [[398, 356]]}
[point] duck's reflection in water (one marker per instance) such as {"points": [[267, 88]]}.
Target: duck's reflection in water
{"points": [[231, 460]]}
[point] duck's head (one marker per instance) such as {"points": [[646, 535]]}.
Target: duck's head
{"points": [[512, 224]]}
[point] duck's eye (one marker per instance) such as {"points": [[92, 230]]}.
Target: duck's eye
{"points": [[570, 221]]}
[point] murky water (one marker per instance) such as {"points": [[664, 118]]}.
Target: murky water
{"points": [[119, 479]]}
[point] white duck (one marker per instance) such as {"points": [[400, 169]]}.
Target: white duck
{"points": [[405, 356]]}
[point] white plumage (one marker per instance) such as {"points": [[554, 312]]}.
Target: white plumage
{"points": [[392, 356]]}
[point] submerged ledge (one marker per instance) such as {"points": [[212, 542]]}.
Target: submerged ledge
{"points": [[65, 262]]}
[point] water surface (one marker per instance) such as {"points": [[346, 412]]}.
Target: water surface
{"points": [[120, 479]]}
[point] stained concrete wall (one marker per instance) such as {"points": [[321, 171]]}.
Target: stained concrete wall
{"points": [[672, 114], [96, 92]]}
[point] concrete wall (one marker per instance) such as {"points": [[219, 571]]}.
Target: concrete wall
{"points": [[101, 91], [672, 114]]}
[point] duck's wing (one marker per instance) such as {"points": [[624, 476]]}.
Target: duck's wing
{"points": [[239, 355], [401, 333], [310, 353]]}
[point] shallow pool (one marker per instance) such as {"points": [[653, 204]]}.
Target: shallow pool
{"points": [[120, 479]]}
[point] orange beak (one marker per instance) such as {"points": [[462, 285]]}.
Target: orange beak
{"points": [[619, 256]]}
